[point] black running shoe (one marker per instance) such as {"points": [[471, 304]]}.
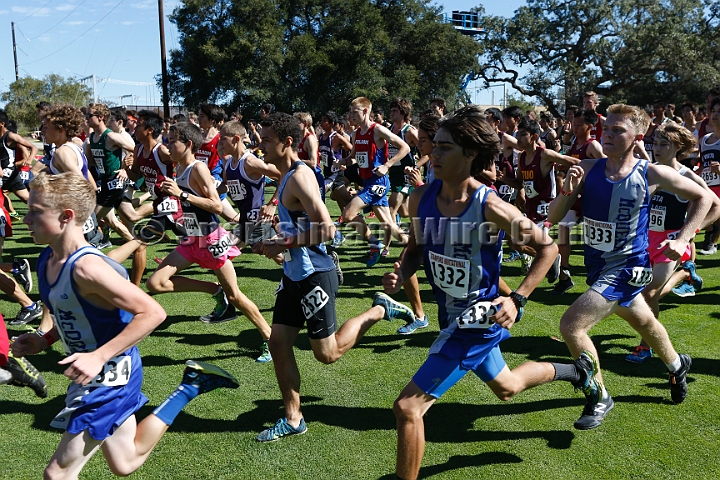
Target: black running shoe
{"points": [[26, 375], [554, 272], [678, 379], [229, 314], [21, 272], [27, 315], [207, 377], [594, 412], [562, 286]]}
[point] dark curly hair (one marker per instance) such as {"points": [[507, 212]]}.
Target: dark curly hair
{"points": [[284, 126]]}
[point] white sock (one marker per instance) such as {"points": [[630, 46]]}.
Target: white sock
{"points": [[5, 376], [675, 365]]}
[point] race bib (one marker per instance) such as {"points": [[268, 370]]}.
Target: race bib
{"points": [[657, 219], [236, 190], [324, 159], [336, 167], [253, 215], [217, 183], [451, 275], [115, 373], [116, 184], [190, 222], [88, 226], [314, 301], [529, 187], [24, 175], [710, 177], [362, 159], [599, 235], [100, 166], [505, 189], [167, 206], [543, 209], [640, 277], [8, 171], [477, 316], [221, 247], [378, 190]]}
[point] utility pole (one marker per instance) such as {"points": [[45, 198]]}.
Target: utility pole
{"points": [[17, 76], [166, 105]]}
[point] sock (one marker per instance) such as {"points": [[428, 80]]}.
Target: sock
{"points": [[675, 365], [31, 307], [567, 372], [171, 407], [5, 376]]}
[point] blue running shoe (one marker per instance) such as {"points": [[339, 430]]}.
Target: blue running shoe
{"points": [[697, 281], [685, 289], [338, 240], [640, 354], [393, 309], [207, 377], [281, 429], [374, 254], [512, 257], [411, 327]]}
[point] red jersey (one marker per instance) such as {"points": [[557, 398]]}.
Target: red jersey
{"points": [[539, 189], [596, 131], [302, 154], [155, 172], [367, 154], [208, 154]]}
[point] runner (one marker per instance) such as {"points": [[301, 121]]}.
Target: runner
{"points": [[710, 158], [464, 274], [101, 317], [207, 244], [18, 371], [616, 239]]}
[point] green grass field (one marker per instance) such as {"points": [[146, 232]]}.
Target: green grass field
{"points": [[470, 433]]}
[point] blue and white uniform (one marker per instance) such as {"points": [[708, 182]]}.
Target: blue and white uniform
{"points": [[615, 232], [247, 194], [105, 403], [463, 267]]}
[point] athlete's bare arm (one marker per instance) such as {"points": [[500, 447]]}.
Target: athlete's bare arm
{"points": [[255, 168], [19, 140], [382, 135], [573, 186], [595, 150], [202, 182], [116, 140]]}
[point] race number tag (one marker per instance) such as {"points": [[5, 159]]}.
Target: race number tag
{"points": [[100, 166], [640, 277], [324, 159], [505, 189], [24, 175], [710, 177], [167, 206], [190, 222], [363, 159], [452, 275], [115, 373], [599, 235], [378, 190], [253, 215], [657, 219], [336, 167], [314, 301], [88, 226], [529, 187], [221, 247], [8, 171], [236, 190], [543, 209], [477, 316], [116, 184]]}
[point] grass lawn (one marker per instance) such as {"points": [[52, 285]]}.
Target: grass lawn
{"points": [[470, 433]]}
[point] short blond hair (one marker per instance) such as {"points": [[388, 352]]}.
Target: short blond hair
{"points": [[590, 94], [234, 127], [361, 102], [304, 117], [66, 191], [637, 116]]}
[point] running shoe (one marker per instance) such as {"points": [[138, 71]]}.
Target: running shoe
{"points": [[104, 245], [207, 377], [338, 239], [21, 272], [639, 355], [691, 268], [385, 252], [411, 327], [281, 429], [554, 272], [14, 214], [512, 257], [339, 221], [265, 355], [213, 317], [598, 400], [371, 215], [374, 254], [27, 315], [685, 289], [594, 412], [525, 263], [338, 270], [587, 365], [562, 286], [26, 375], [393, 310], [678, 379], [711, 250]]}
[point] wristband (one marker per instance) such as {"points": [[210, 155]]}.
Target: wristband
{"points": [[49, 339], [564, 193], [419, 184], [274, 201]]}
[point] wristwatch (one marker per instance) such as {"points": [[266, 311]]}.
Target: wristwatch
{"points": [[184, 196], [520, 300]]}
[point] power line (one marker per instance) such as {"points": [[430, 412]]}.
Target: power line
{"points": [[79, 37], [58, 23], [36, 11]]}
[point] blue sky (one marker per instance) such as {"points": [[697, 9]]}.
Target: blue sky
{"points": [[119, 40]]}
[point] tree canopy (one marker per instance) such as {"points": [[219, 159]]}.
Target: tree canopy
{"points": [[310, 55], [26, 92], [632, 51]]}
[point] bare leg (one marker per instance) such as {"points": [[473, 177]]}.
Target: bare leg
{"points": [[409, 409], [286, 370], [228, 280], [330, 349], [164, 279]]}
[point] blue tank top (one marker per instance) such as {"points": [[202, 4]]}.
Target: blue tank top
{"points": [[247, 194], [328, 155], [300, 262], [197, 222], [82, 326], [615, 228]]}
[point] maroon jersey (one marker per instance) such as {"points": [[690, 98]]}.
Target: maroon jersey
{"points": [[596, 131], [579, 152], [155, 172], [303, 155], [539, 188]]}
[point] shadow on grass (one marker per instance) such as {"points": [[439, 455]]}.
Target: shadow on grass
{"points": [[457, 462]]}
